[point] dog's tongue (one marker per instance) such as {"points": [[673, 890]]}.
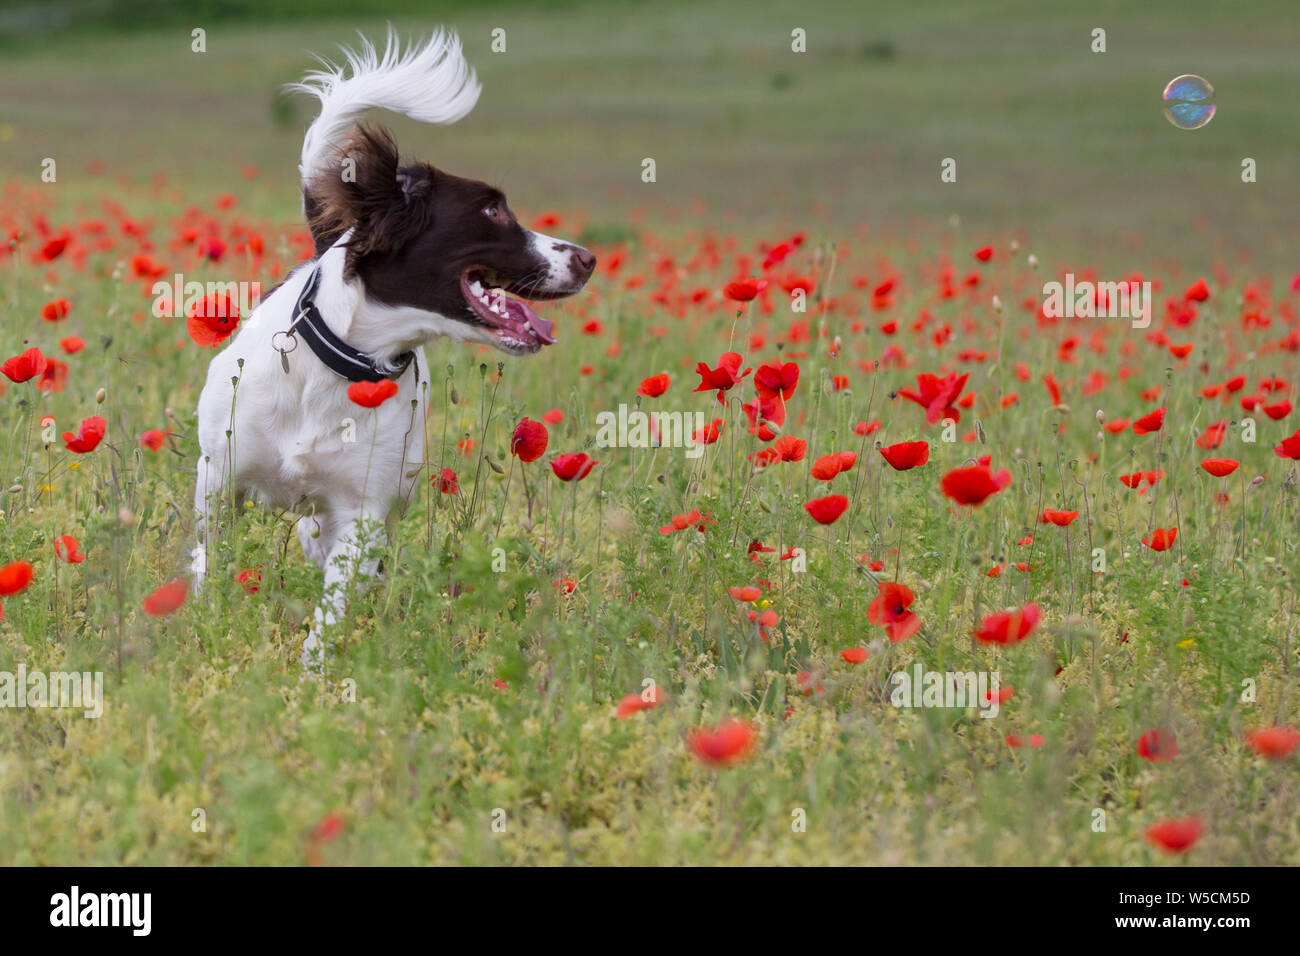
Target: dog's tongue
{"points": [[542, 328]]}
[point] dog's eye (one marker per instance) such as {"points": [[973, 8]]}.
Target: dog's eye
{"points": [[492, 211]]}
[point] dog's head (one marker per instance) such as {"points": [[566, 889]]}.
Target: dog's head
{"points": [[448, 246]]}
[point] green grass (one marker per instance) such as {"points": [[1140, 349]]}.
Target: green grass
{"points": [[410, 741]]}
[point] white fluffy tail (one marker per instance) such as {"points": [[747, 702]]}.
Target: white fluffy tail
{"points": [[429, 82]]}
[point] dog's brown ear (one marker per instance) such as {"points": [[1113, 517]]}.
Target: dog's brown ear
{"points": [[366, 191]]}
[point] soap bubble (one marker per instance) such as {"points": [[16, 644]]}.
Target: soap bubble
{"points": [[1189, 101]]}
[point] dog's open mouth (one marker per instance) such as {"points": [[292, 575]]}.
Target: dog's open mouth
{"points": [[517, 327]]}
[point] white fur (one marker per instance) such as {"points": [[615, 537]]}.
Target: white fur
{"points": [[429, 82], [297, 442], [559, 257]]}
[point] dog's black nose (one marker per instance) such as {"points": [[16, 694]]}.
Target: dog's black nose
{"points": [[584, 261]]}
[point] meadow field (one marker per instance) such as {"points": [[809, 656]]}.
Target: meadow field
{"points": [[901, 460]]}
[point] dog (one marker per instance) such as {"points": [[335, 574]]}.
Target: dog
{"points": [[404, 255]]}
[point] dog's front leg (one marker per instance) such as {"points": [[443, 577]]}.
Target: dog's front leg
{"points": [[207, 491], [354, 557]]}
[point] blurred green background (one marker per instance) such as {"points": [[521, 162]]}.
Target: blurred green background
{"points": [[1052, 141]]}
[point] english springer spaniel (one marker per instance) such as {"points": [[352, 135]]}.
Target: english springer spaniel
{"points": [[405, 254]]}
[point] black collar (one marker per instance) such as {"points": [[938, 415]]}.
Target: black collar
{"points": [[339, 357]]}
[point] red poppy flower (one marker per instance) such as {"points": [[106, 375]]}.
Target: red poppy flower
{"points": [[722, 378], [654, 386], [250, 579], [1150, 422], [889, 608], [1278, 410], [553, 417], [744, 290], [692, 519], [53, 248], [14, 577], [762, 413], [775, 379], [764, 620], [1290, 447], [974, 484], [724, 744], [447, 481], [937, 396], [1158, 746], [54, 310], [1176, 836], [1016, 741], [1053, 389], [648, 699], [1009, 627], [89, 435], [826, 467], [745, 593], [1161, 539], [330, 827], [984, 253], [855, 655], [1275, 743], [54, 377], [211, 248], [1219, 467], [1198, 291], [573, 466], [529, 440], [166, 598], [72, 344], [1213, 436], [827, 510], [212, 319], [69, 549], [372, 394], [1059, 518], [906, 455], [709, 433], [153, 439], [789, 448], [23, 367]]}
